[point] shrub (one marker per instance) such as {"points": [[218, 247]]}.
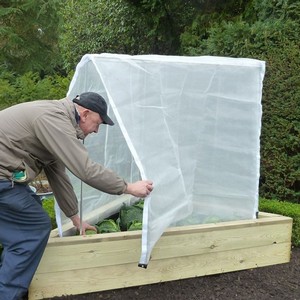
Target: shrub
{"points": [[287, 209], [30, 86], [101, 26], [280, 138], [276, 42], [48, 205]]}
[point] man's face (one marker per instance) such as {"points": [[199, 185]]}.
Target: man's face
{"points": [[89, 122]]}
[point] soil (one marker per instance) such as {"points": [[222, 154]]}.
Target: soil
{"points": [[278, 282]]}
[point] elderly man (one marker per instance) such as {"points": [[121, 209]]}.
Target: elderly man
{"points": [[45, 135]]}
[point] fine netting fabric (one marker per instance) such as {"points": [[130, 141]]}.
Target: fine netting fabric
{"points": [[190, 124]]}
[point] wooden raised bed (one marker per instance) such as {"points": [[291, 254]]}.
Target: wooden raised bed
{"points": [[84, 264]]}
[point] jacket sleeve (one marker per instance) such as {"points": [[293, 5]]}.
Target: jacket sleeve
{"points": [[62, 188], [57, 134]]}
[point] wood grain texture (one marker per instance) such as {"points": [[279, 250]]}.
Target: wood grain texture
{"points": [[77, 265]]}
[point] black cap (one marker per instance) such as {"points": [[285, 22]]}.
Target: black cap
{"points": [[96, 103]]}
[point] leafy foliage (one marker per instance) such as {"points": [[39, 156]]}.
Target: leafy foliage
{"points": [[280, 140], [122, 26], [90, 232], [28, 35], [131, 214], [135, 225], [166, 20], [48, 205], [269, 33], [30, 86], [107, 225], [273, 10], [101, 26], [262, 29], [287, 209]]}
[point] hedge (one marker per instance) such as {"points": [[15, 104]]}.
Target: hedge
{"points": [[48, 205], [287, 209], [277, 43], [31, 86]]}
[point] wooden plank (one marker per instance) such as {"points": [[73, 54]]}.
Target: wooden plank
{"points": [[223, 226], [126, 275], [76, 265], [115, 206], [128, 251], [268, 215], [219, 240], [101, 213]]}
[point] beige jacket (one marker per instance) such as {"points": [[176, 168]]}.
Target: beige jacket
{"points": [[44, 135]]}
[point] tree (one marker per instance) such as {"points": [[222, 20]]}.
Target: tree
{"points": [[122, 26], [28, 35], [269, 31], [166, 21]]}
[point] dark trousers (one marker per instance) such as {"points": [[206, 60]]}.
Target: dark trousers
{"points": [[24, 232]]}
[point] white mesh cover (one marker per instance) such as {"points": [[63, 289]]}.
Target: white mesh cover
{"points": [[190, 124]]}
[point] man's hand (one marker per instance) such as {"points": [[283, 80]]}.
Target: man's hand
{"points": [[85, 226], [140, 188]]}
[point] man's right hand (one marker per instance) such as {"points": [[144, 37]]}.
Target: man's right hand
{"points": [[140, 188]]}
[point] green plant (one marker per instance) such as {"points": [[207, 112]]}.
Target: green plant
{"points": [[130, 214], [101, 27], [274, 40], [107, 225], [48, 205], [280, 139], [28, 35], [287, 209], [30, 86], [135, 225]]}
